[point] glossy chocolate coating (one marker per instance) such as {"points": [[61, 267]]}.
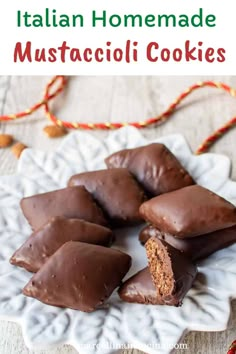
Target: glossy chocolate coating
{"points": [[48, 239], [80, 276], [189, 212], [154, 166], [148, 232], [196, 247], [140, 289], [71, 202], [117, 193], [172, 271]]}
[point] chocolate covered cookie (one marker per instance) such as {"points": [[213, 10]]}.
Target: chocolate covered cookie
{"points": [[117, 193], [48, 239], [196, 247], [71, 202], [154, 166], [172, 271], [79, 276], [189, 212]]}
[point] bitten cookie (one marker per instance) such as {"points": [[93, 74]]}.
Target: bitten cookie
{"points": [[172, 271]]}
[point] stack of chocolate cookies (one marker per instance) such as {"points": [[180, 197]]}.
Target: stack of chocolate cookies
{"points": [[69, 250]]}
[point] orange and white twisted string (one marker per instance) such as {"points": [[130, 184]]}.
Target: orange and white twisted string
{"points": [[61, 82]]}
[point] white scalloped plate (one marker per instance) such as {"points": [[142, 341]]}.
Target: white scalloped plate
{"points": [[153, 329]]}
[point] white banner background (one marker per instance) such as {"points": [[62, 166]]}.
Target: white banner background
{"points": [[221, 36]]}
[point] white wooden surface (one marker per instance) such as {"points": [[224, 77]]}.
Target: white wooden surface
{"points": [[112, 99]]}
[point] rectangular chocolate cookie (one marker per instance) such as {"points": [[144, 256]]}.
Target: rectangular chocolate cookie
{"points": [[154, 166], [116, 191], [79, 276], [71, 202], [44, 242], [189, 212]]}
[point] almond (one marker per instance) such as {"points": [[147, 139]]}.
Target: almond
{"points": [[54, 131], [17, 149], [5, 140]]}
